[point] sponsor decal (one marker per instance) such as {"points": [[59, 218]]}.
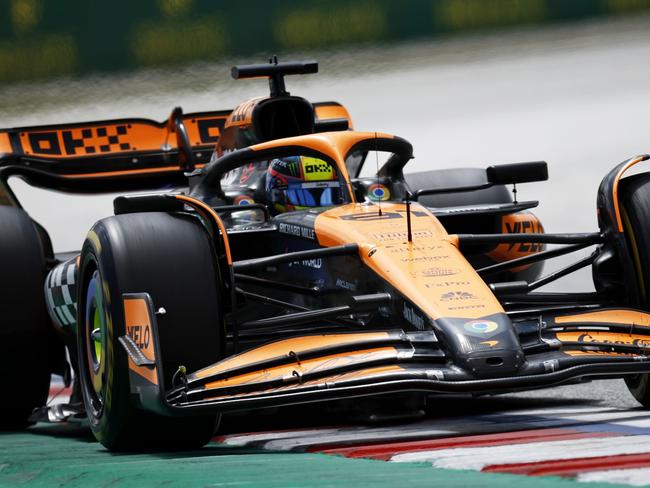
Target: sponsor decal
{"points": [[447, 284], [394, 248], [243, 111], [246, 173], [394, 236], [378, 192], [465, 209], [243, 200], [622, 340], [297, 231], [413, 317], [481, 326], [230, 177], [601, 353], [210, 129], [244, 227], [285, 167], [316, 263], [141, 335], [102, 139], [457, 295], [419, 259], [369, 217], [366, 217], [81, 141], [465, 307], [316, 169], [532, 226], [435, 272], [341, 283]]}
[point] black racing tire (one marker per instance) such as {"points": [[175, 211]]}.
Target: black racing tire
{"points": [[25, 329], [169, 257], [634, 202]]}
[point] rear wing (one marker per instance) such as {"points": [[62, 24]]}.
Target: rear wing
{"points": [[109, 155], [115, 155]]}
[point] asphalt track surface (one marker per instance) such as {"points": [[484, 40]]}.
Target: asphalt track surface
{"points": [[459, 442], [575, 95]]}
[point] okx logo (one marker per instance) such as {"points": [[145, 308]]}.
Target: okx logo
{"points": [[80, 142]]}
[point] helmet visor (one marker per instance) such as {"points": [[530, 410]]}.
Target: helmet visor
{"points": [[313, 194]]}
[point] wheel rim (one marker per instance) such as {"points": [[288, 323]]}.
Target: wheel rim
{"points": [[94, 334]]}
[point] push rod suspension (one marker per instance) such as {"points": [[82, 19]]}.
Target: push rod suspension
{"points": [[591, 238], [249, 264]]}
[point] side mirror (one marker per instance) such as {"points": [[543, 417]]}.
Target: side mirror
{"points": [[504, 174]]}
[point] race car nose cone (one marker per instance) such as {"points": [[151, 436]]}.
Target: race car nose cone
{"points": [[498, 363], [485, 347]]}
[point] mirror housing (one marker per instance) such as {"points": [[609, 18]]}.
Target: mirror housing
{"points": [[504, 174]]}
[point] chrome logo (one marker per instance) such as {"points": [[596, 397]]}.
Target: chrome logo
{"points": [[481, 326], [243, 200], [378, 192]]}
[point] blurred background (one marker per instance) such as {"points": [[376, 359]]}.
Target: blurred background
{"points": [[468, 82]]}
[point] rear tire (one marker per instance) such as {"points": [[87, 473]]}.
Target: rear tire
{"points": [[170, 258], [25, 329], [635, 212]]}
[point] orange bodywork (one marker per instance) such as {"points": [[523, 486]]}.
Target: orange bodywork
{"points": [[430, 270], [361, 374], [521, 222], [5, 143], [604, 337], [617, 210], [207, 209], [293, 372], [333, 144], [243, 114], [139, 328], [633, 318], [607, 316], [599, 353], [279, 349], [109, 174], [325, 112], [114, 137]]}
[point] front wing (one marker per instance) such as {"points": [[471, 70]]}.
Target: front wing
{"points": [[559, 349]]}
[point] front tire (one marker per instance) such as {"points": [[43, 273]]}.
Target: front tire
{"points": [[170, 258], [635, 212]]}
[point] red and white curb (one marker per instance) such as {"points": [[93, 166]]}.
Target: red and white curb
{"points": [[585, 443], [59, 393]]}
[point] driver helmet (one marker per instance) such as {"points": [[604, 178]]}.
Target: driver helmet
{"points": [[300, 183]]}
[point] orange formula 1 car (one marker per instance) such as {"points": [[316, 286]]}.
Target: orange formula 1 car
{"points": [[275, 273]]}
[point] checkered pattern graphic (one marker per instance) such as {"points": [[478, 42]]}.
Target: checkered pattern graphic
{"points": [[111, 141], [61, 294]]}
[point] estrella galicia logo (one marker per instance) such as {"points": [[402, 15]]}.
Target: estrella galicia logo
{"points": [[481, 326]]}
